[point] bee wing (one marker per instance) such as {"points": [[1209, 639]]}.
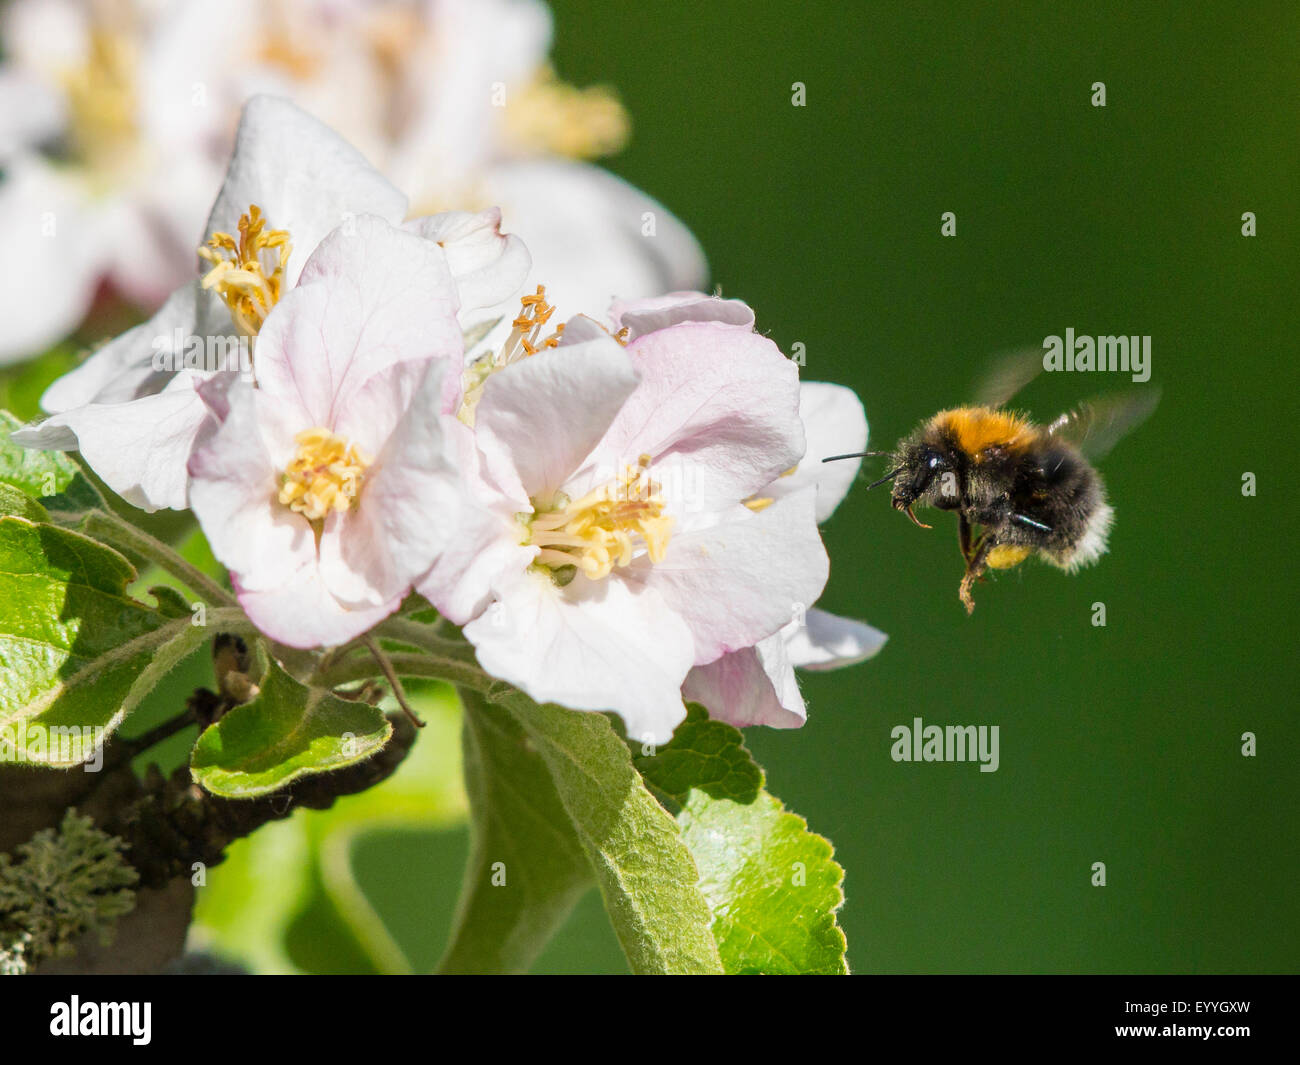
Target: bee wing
{"points": [[1006, 374], [1097, 425]]}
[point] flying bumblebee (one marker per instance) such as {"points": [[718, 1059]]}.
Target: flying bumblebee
{"points": [[1018, 488]]}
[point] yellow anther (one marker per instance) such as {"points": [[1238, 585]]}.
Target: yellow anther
{"points": [[605, 528], [525, 339], [102, 99], [551, 117], [759, 504], [248, 274], [325, 475]]}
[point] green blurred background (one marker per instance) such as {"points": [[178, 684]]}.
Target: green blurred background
{"points": [[1119, 744]]}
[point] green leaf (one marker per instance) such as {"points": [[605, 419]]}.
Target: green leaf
{"points": [[527, 866], [253, 903], [50, 476], [773, 886], [20, 504], [76, 652], [704, 754], [645, 874], [170, 601], [287, 731]]}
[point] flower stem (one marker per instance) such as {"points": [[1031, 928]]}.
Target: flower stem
{"points": [[425, 637], [428, 666], [394, 681], [121, 533]]}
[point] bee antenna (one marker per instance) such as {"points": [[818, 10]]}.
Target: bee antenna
{"points": [[856, 455], [888, 477]]}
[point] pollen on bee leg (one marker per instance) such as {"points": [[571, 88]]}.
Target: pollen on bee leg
{"points": [[248, 272], [325, 475]]}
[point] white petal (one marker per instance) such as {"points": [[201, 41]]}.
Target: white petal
{"points": [[721, 402], [140, 449], [660, 312], [31, 112], [752, 686], [409, 507], [487, 265], [826, 641], [594, 645], [134, 364], [484, 553], [542, 416], [303, 176], [469, 47], [300, 612], [54, 251], [585, 230], [743, 579], [369, 299], [235, 482], [834, 424]]}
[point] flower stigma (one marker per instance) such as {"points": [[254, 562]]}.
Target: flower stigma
{"points": [[248, 274], [325, 475], [605, 528]]}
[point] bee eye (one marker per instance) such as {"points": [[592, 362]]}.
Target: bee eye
{"points": [[934, 462]]}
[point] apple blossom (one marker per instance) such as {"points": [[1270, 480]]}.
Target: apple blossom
{"points": [[612, 548], [133, 409], [452, 99], [757, 685], [330, 487]]}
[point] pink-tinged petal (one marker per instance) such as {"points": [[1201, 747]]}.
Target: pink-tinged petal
{"points": [[720, 401], [300, 612], [486, 549], [739, 581], [409, 507], [487, 265], [594, 645], [825, 641], [640, 317], [54, 254], [137, 363], [834, 424], [234, 488], [370, 298], [543, 415], [753, 686], [581, 328], [304, 176], [139, 448]]}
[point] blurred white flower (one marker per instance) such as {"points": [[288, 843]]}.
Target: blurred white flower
{"points": [[116, 118], [293, 190]]}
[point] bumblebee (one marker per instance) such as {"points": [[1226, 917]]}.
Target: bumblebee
{"points": [[1019, 489]]}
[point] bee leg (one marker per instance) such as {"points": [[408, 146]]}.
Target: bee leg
{"points": [[974, 571], [963, 537]]}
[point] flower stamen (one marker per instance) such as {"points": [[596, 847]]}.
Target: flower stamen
{"points": [[606, 528], [102, 99], [552, 117], [325, 475], [525, 339], [248, 274]]}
